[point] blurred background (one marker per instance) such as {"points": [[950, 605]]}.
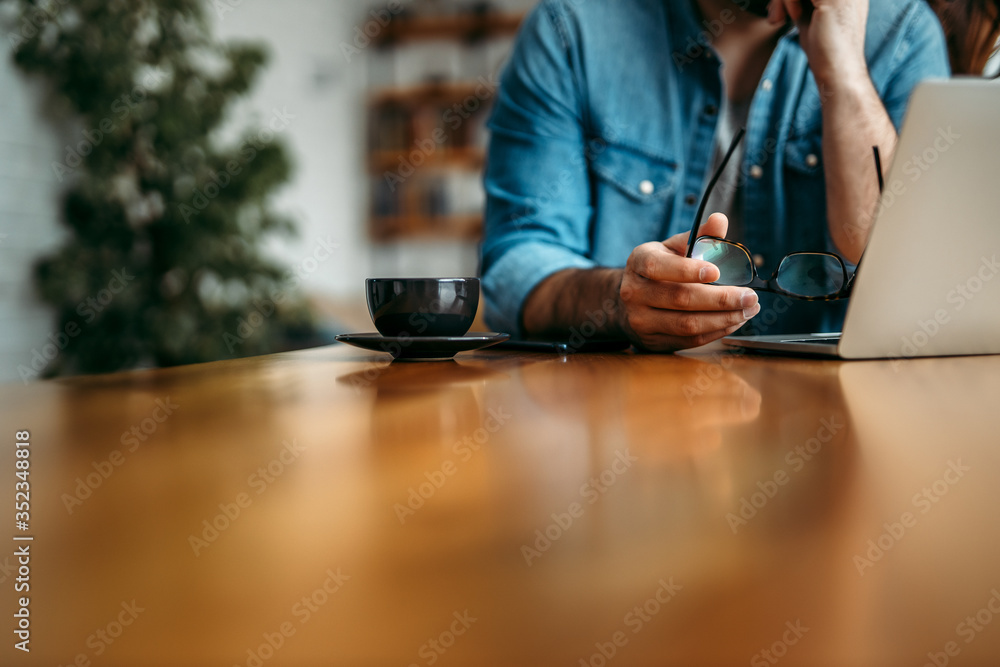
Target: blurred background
{"points": [[366, 120]]}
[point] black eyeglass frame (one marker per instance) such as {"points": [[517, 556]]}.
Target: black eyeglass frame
{"points": [[756, 282], [771, 285]]}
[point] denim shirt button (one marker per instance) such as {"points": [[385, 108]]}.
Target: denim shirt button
{"points": [[647, 187], [690, 200], [758, 260], [767, 85], [812, 160], [756, 172]]}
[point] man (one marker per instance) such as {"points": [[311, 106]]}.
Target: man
{"points": [[612, 115]]}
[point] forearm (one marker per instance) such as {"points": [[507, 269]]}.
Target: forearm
{"points": [[854, 120], [570, 299]]}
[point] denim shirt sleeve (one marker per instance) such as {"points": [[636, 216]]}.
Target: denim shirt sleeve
{"points": [[538, 208], [921, 53], [582, 168]]}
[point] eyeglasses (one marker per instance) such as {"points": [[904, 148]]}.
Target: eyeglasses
{"points": [[808, 276]]}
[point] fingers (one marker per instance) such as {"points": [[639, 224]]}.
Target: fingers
{"points": [[794, 9], [655, 261], [667, 305], [688, 325], [695, 297], [780, 11], [776, 13], [716, 225], [710, 337]]}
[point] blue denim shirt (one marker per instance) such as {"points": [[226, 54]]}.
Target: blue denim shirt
{"points": [[604, 98]]}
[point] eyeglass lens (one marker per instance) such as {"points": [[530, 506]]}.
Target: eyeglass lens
{"points": [[800, 274], [810, 275], [732, 262]]}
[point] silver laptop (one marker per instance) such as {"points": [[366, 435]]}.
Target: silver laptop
{"points": [[929, 284]]}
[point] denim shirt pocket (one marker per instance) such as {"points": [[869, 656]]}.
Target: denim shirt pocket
{"points": [[805, 185], [632, 196], [804, 154]]}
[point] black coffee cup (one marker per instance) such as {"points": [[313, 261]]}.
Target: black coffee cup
{"points": [[422, 307]]}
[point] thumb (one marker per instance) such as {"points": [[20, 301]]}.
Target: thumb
{"points": [[716, 225]]}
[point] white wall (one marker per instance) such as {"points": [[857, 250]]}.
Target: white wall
{"points": [[28, 216], [311, 76], [308, 76]]}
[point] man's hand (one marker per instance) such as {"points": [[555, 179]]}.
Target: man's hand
{"points": [[832, 34], [666, 305]]}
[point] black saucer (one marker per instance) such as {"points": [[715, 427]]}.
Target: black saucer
{"points": [[424, 348]]}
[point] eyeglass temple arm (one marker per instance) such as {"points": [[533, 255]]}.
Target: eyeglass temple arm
{"points": [[881, 189], [722, 167], [878, 169], [708, 190]]}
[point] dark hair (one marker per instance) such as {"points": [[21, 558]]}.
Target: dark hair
{"points": [[972, 28]]}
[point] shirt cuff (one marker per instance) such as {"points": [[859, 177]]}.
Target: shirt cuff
{"points": [[509, 281]]}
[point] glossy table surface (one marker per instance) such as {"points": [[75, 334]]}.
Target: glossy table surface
{"points": [[327, 507]]}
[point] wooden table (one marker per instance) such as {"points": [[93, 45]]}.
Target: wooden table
{"points": [[328, 508]]}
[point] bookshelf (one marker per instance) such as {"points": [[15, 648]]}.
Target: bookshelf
{"points": [[474, 26], [436, 76]]}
